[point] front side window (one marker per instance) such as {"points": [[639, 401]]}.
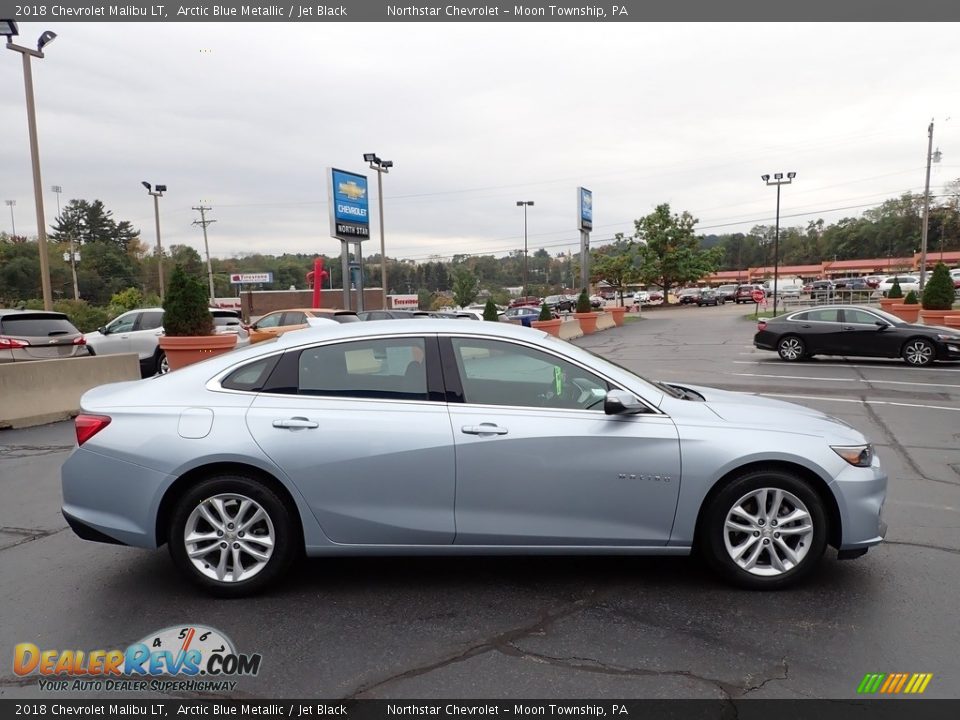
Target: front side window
{"points": [[501, 373], [294, 317], [859, 317], [390, 369], [269, 321], [123, 324]]}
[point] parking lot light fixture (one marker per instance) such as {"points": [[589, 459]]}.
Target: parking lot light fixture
{"points": [[9, 29], [13, 222], [157, 193], [524, 204], [778, 181]]}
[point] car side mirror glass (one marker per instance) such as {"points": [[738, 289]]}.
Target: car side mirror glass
{"points": [[620, 402]]}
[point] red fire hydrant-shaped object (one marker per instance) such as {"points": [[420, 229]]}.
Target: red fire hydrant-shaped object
{"points": [[316, 277]]}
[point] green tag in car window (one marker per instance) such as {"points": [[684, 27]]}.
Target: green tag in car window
{"points": [[557, 380]]}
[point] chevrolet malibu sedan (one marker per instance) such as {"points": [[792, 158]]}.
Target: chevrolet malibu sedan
{"points": [[855, 331], [427, 437]]}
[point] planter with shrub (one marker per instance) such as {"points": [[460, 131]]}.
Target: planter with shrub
{"points": [[547, 322], [584, 313], [188, 325], [909, 309], [938, 295]]}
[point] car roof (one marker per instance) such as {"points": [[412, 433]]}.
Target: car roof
{"points": [[414, 327], [11, 311]]}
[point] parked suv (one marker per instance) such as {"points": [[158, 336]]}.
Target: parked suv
{"points": [[38, 335], [744, 293], [139, 331]]}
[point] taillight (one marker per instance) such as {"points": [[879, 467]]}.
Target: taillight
{"points": [[9, 343], [762, 325], [80, 340], [89, 425]]}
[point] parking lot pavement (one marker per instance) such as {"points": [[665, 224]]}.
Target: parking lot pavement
{"points": [[558, 627]]}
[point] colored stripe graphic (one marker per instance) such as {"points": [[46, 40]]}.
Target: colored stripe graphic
{"points": [[894, 683]]}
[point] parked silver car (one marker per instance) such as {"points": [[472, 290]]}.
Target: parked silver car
{"points": [[438, 437], [139, 331], [38, 335]]}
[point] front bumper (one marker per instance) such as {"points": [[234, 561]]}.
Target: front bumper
{"points": [[860, 495]]}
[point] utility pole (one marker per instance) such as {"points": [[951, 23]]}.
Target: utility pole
{"points": [[73, 255], [932, 157], [206, 246]]}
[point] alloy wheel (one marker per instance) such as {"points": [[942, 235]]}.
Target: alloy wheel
{"points": [[768, 532], [918, 352], [229, 537], [791, 348]]}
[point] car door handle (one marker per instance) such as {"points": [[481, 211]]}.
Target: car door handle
{"points": [[847, 327], [805, 326], [295, 422], [483, 429]]}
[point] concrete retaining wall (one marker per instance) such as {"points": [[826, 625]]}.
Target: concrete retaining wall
{"points": [[570, 328], [34, 393], [605, 321]]}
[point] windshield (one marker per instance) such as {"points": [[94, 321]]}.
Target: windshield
{"points": [[601, 363]]}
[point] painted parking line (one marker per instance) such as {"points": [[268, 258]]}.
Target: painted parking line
{"points": [[857, 401], [897, 367], [831, 379]]}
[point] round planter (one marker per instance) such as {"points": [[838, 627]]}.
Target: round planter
{"points": [[183, 351], [907, 313], [937, 317], [588, 322], [888, 303], [618, 313], [952, 321], [549, 326]]}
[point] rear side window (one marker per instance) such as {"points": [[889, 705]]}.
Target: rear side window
{"points": [[252, 377], [392, 369], [831, 315], [151, 320], [36, 325]]}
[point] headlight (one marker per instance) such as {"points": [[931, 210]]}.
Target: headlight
{"points": [[948, 337], [856, 455]]}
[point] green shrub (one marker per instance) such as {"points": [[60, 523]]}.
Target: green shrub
{"points": [[911, 298], [185, 311], [583, 302], [895, 290], [545, 313], [490, 311], [85, 317], [129, 299], [938, 292]]}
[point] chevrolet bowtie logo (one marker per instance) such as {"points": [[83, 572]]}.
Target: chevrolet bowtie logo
{"points": [[351, 190], [894, 683]]}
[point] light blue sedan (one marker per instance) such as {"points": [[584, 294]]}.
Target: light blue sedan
{"points": [[420, 437]]}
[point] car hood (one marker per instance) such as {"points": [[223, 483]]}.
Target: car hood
{"points": [[767, 413]]}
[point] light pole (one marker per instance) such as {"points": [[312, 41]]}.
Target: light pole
{"points": [[932, 157], [157, 193], [9, 28], [381, 166], [73, 255], [778, 181], [13, 223], [524, 204]]}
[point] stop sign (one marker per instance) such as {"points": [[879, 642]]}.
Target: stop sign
{"points": [[759, 296]]}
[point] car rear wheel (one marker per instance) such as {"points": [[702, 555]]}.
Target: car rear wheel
{"points": [[919, 352], [791, 348], [231, 535], [162, 365], [765, 530]]}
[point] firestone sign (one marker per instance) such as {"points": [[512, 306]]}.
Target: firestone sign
{"points": [[250, 278]]}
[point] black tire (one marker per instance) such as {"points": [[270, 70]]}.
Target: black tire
{"points": [[711, 538], [160, 363], [919, 352], [286, 539], [791, 348]]}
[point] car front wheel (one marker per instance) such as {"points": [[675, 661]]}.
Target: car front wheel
{"points": [[766, 530], [919, 352], [231, 535], [163, 366]]}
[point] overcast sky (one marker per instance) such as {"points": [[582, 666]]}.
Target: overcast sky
{"points": [[246, 117]]}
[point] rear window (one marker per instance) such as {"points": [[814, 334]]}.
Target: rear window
{"points": [[36, 325], [346, 318]]}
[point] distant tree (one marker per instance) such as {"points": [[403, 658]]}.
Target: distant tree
{"points": [[128, 299], [490, 311], [669, 252], [615, 265], [465, 286]]}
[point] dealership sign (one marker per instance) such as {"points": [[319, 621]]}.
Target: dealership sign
{"points": [[245, 278], [586, 208], [349, 205], [404, 302]]}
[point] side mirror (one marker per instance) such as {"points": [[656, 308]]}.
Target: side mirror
{"points": [[881, 325], [620, 402], [102, 330]]}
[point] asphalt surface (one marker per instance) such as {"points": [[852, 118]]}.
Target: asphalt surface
{"points": [[548, 627]]}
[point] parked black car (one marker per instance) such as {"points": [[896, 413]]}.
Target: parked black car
{"points": [[855, 331], [709, 297], [688, 296], [822, 290], [560, 303]]}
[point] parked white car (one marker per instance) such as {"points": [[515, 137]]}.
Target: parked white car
{"points": [[907, 283], [139, 331]]}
